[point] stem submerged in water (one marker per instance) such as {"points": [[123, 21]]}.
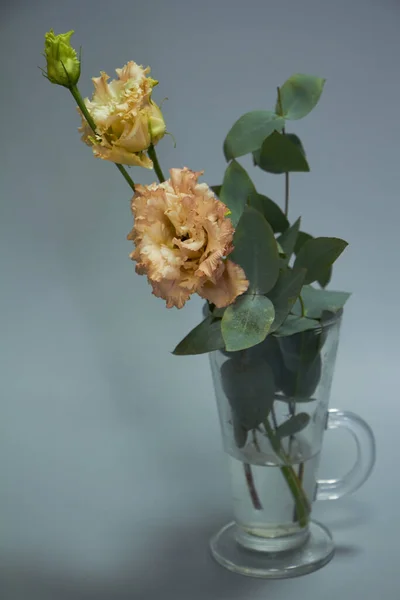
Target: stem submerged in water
{"points": [[295, 485], [252, 488]]}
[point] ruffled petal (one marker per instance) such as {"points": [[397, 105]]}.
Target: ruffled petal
{"points": [[182, 237], [123, 157], [127, 121], [230, 284]]}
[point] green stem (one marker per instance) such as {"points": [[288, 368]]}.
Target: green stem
{"points": [[80, 102], [153, 155], [303, 308], [286, 194], [286, 186], [292, 480], [286, 174]]}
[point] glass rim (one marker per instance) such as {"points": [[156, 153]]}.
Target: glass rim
{"points": [[330, 321]]}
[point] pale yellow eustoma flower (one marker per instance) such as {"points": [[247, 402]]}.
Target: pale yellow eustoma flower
{"points": [[182, 237], [127, 120]]}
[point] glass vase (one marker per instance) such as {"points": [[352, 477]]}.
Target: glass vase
{"points": [[273, 403]]}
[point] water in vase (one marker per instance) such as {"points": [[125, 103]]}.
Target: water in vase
{"points": [[263, 503]]}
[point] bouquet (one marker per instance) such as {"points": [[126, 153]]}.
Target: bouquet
{"points": [[262, 277]]}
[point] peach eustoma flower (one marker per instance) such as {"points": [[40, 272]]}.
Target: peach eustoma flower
{"points": [[182, 238], [127, 120]]}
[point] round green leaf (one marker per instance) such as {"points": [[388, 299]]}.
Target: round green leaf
{"points": [[299, 95], [293, 425], [326, 274], [302, 238], [240, 433], [216, 189], [285, 293], [302, 383], [247, 322], [288, 239], [271, 167], [250, 389], [256, 251], [279, 154], [235, 190], [301, 349], [317, 255], [248, 133], [316, 302], [271, 211], [206, 337], [293, 324]]}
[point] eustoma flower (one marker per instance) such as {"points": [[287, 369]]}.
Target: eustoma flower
{"points": [[127, 120], [182, 236], [62, 64]]}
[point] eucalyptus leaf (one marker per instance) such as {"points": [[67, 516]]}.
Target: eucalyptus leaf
{"points": [[301, 349], [206, 337], [281, 251], [325, 277], [317, 254], [240, 433], [271, 211], [247, 322], [301, 354], [256, 251], [294, 324], [302, 383], [297, 141], [250, 388], [267, 351], [288, 239], [285, 293], [218, 313], [293, 425], [316, 302], [302, 238], [271, 167], [299, 95], [279, 154], [216, 189], [326, 274], [236, 188], [249, 131]]}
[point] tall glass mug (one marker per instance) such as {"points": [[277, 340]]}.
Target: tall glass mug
{"points": [[273, 406]]}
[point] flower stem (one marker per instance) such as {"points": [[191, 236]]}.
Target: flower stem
{"points": [[153, 155], [301, 501], [303, 308], [80, 102], [286, 174], [251, 485], [286, 194], [286, 187]]}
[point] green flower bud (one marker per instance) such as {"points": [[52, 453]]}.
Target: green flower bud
{"points": [[63, 65]]}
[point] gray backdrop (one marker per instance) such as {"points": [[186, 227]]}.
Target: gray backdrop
{"points": [[112, 473]]}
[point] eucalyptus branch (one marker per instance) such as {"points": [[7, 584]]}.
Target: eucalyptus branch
{"points": [[286, 174], [286, 194]]}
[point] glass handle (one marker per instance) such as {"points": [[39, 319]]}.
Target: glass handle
{"points": [[331, 489]]}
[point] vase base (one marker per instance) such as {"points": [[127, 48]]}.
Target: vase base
{"points": [[316, 552]]}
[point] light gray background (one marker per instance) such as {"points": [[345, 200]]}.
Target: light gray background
{"points": [[112, 473]]}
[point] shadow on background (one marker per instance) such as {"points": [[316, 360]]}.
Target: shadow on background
{"points": [[181, 568]]}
